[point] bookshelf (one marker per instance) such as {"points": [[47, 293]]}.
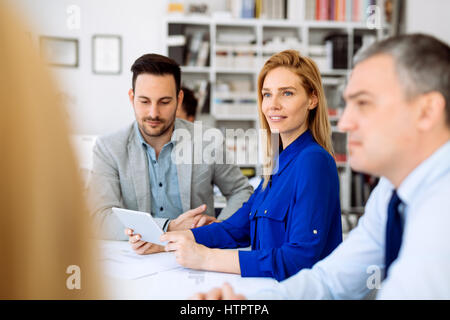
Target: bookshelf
{"points": [[238, 48]]}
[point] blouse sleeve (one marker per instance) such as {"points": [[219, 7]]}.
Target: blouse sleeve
{"points": [[233, 232], [311, 222]]}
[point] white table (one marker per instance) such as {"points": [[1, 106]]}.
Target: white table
{"points": [[158, 276]]}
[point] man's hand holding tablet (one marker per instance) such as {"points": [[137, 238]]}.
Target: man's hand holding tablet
{"points": [[142, 247]]}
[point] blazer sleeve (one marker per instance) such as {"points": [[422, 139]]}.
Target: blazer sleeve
{"points": [[104, 193], [315, 206], [231, 233]]}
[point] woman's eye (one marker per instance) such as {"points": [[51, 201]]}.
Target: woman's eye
{"points": [[144, 102], [266, 95], [165, 102], [288, 93]]}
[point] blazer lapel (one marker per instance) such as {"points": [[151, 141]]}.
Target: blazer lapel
{"points": [[140, 174], [183, 158]]}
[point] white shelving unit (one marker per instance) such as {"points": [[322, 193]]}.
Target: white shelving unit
{"points": [[309, 34]]}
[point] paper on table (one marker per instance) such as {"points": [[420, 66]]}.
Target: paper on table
{"points": [[120, 261], [194, 281]]}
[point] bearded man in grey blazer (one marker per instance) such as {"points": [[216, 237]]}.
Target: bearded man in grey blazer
{"points": [[139, 167]]}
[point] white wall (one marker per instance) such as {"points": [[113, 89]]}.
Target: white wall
{"points": [[98, 104], [428, 16]]}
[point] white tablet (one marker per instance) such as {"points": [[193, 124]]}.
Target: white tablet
{"points": [[141, 223]]}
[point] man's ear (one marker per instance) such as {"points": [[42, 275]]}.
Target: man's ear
{"points": [[131, 96], [180, 98], [431, 110]]}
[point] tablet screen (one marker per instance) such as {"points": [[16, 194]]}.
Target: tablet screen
{"points": [[141, 223]]}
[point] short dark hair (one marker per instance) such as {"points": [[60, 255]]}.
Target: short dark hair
{"points": [[156, 64], [422, 64], [189, 102]]}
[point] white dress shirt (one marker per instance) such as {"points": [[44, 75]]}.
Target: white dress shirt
{"points": [[422, 268]]}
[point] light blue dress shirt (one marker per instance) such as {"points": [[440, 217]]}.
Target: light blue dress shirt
{"points": [[163, 176], [422, 269]]}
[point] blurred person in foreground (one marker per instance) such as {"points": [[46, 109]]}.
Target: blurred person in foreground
{"points": [[45, 223], [398, 122]]}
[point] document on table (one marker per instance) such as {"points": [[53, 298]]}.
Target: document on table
{"points": [[182, 283], [118, 260]]}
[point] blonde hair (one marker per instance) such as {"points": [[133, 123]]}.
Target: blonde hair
{"points": [[317, 122], [45, 226]]}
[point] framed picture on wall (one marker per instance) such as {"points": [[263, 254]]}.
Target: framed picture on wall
{"points": [[60, 52], [106, 54]]}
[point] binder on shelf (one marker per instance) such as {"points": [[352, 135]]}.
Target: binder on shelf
{"points": [[248, 9], [202, 91], [194, 44], [203, 54], [337, 45]]}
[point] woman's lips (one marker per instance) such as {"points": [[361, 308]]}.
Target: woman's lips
{"points": [[276, 118]]}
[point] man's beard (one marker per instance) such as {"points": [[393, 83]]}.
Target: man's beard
{"points": [[159, 131]]}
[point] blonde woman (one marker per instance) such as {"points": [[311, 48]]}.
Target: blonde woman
{"points": [[44, 246], [293, 219]]}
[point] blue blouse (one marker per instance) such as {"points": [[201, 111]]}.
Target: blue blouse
{"points": [[291, 224]]}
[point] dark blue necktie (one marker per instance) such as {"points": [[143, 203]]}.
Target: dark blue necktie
{"points": [[394, 231]]}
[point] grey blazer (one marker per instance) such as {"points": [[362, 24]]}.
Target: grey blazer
{"points": [[120, 178]]}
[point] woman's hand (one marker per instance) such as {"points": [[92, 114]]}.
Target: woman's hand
{"points": [[187, 252]]}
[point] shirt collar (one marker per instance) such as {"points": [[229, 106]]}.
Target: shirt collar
{"points": [[285, 157], [433, 167]]}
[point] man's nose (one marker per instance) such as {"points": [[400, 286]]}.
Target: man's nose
{"points": [[346, 122], [153, 111]]}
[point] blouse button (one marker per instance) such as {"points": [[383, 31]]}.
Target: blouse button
{"points": [[315, 231], [265, 211]]}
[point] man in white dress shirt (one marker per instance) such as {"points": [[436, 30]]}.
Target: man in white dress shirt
{"points": [[398, 122]]}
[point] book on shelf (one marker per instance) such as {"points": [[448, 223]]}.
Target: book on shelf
{"points": [[261, 9], [294, 10], [338, 10]]}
